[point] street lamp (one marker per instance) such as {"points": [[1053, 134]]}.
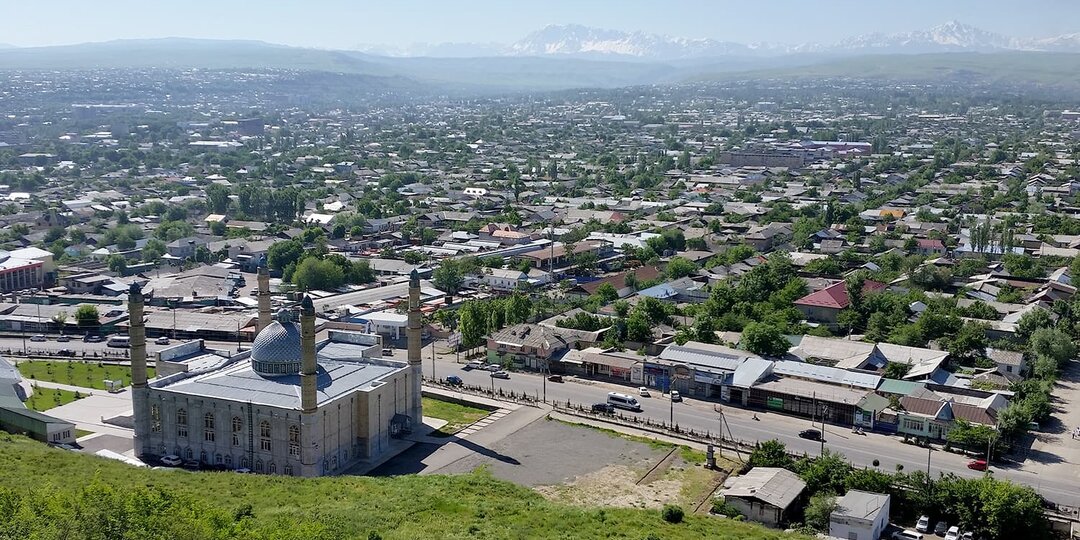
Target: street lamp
{"points": [[824, 411]]}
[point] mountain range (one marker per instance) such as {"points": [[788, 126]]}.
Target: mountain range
{"points": [[566, 57], [588, 42]]}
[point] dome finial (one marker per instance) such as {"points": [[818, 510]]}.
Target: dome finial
{"points": [[284, 316]]}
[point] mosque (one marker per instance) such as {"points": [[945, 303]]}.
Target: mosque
{"points": [[290, 405]]}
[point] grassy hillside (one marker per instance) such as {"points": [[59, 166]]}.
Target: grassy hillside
{"points": [[58, 494]]}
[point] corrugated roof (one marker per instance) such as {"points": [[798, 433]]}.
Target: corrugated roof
{"points": [[706, 355], [896, 386], [772, 485], [826, 374]]}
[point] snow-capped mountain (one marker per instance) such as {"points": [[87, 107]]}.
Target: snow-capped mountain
{"points": [[576, 40], [951, 36]]}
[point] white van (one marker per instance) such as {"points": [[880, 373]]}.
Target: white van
{"points": [[122, 342], [623, 401], [475, 364]]}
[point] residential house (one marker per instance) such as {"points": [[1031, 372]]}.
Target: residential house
{"points": [[824, 306], [860, 515], [931, 414], [767, 237], [766, 495]]}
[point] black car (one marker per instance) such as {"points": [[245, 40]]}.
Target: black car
{"points": [[555, 378], [454, 380], [605, 408], [812, 434]]}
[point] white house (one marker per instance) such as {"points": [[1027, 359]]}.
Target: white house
{"points": [[860, 515]]}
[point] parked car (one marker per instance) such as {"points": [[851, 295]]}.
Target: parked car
{"points": [[967, 536], [676, 396], [63, 339], [163, 340], [906, 535], [811, 434], [388, 352], [923, 525], [953, 534], [93, 338], [192, 465], [643, 392], [603, 408], [941, 527], [171, 460], [475, 364], [454, 380], [555, 378], [65, 352], [38, 337], [242, 470], [977, 464], [500, 375], [493, 367]]}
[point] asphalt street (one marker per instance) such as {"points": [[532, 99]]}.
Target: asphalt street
{"points": [[860, 450]]}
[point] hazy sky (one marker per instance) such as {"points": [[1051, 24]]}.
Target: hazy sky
{"points": [[345, 24]]}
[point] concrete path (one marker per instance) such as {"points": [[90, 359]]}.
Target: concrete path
{"points": [[459, 447]]}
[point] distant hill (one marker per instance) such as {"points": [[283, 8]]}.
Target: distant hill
{"points": [[1012, 67], [545, 72]]}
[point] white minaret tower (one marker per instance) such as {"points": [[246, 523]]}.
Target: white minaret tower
{"points": [[412, 334], [139, 390], [265, 317]]}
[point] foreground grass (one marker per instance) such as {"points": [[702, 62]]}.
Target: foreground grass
{"points": [[456, 415], [254, 506], [87, 374], [44, 399]]}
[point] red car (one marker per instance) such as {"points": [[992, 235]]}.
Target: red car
{"points": [[978, 465]]}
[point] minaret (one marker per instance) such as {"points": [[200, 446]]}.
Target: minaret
{"points": [[139, 390], [265, 316], [309, 368], [412, 334]]}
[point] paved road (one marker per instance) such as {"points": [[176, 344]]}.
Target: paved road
{"points": [[861, 450]]}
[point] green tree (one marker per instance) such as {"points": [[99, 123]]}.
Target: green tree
{"points": [[816, 515], [471, 324], [517, 308], [217, 198], [826, 473], [87, 316], [116, 263], [679, 267], [282, 254], [313, 273], [1031, 321], [771, 453], [638, 328], [607, 293], [764, 339], [1052, 343], [969, 343], [448, 277]]}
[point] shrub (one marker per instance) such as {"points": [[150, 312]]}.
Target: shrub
{"points": [[672, 513]]}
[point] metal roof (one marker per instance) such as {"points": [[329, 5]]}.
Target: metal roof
{"points": [[706, 355], [826, 374], [772, 485], [342, 370]]}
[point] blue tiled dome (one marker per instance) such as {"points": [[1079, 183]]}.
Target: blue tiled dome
{"points": [[276, 350]]}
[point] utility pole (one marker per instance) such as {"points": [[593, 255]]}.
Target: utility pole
{"points": [[824, 411], [433, 360]]}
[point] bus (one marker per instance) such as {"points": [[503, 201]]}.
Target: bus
{"points": [[121, 342]]}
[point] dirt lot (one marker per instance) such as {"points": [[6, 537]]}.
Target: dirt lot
{"points": [[586, 466]]}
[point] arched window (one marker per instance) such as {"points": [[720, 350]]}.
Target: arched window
{"points": [[272, 468], [237, 427], [288, 470], [228, 461], [243, 463], [294, 441], [208, 427], [181, 423], [188, 453], [202, 457], [258, 466], [155, 418], [264, 436], [217, 459]]}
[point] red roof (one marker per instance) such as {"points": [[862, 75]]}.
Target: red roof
{"points": [[835, 295], [931, 243]]}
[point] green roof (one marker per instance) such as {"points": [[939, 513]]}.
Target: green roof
{"points": [[896, 386]]}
